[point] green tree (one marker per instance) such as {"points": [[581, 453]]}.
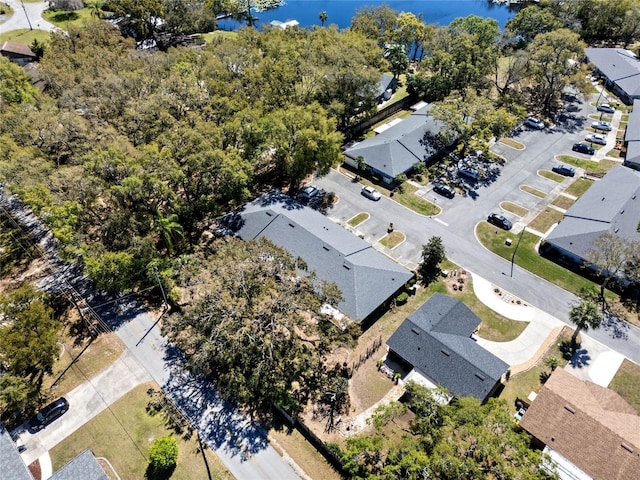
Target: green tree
{"points": [[613, 258], [377, 23], [584, 315], [433, 253], [15, 394], [169, 229], [28, 334], [398, 60], [139, 16], [163, 454], [531, 21], [15, 84]]}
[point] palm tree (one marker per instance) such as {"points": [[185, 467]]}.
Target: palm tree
{"points": [[323, 17], [169, 229], [584, 315], [95, 7]]}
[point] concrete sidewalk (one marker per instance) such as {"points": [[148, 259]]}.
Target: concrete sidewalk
{"points": [[593, 361], [85, 402]]}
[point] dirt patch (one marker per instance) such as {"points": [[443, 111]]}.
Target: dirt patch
{"points": [[35, 470], [457, 280]]}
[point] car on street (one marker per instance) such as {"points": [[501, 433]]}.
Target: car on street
{"points": [[595, 138], [444, 190], [499, 221], [48, 414], [565, 170], [308, 192], [601, 125], [371, 193], [605, 107], [534, 122], [583, 148]]}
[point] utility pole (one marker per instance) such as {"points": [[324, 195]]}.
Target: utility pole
{"points": [[164, 297], [515, 250], [25, 14]]}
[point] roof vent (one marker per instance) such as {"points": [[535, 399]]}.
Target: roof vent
{"points": [[416, 331], [570, 409], [445, 353], [292, 225], [627, 447], [326, 248], [633, 198], [615, 230], [621, 211], [346, 266], [269, 214], [602, 199], [479, 377]]}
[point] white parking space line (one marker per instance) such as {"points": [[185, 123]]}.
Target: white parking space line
{"points": [[440, 221]]}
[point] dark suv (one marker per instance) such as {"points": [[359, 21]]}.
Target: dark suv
{"points": [[565, 170], [444, 190], [583, 148], [49, 413], [499, 221]]}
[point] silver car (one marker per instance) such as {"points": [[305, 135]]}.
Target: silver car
{"points": [[595, 138], [601, 125], [371, 193]]}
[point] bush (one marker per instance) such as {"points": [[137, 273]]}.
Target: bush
{"points": [[402, 298], [163, 453]]}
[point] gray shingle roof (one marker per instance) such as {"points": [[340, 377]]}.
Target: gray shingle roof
{"points": [[437, 341], [11, 463], [619, 66], [398, 148], [610, 205], [632, 136], [85, 466], [365, 277]]}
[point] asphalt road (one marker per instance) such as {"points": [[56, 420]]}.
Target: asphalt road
{"points": [[26, 16], [456, 224]]}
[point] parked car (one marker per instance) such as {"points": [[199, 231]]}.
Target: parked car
{"points": [[601, 125], [583, 148], [565, 170], [467, 172], [605, 107], [371, 193], [499, 221], [595, 138], [309, 192], [444, 190], [48, 414], [534, 122]]}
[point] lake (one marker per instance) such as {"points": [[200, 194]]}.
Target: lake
{"points": [[340, 12]]}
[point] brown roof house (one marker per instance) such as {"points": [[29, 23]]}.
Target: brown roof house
{"points": [[588, 430], [18, 52]]}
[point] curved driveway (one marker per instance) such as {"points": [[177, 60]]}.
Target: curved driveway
{"points": [[29, 17]]}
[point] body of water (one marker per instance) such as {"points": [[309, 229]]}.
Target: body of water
{"points": [[340, 12]]}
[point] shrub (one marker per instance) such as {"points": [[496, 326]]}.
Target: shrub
{"points": [[402, 298], [163, 453]]}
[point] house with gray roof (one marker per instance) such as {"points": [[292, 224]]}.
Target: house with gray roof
{"points": [[632, 138], [620, 70], [85, 466], [436, 341], [395, 150], [611, 205], [366, 277]]}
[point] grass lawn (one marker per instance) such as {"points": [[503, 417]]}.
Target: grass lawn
{"points": [[550, 175], [24, 36], [523, 383], [6, 10], [603, 166], [578, 187], [104, 351], [546, 219], [627, 383], [358, 219], [563, 202], [123, 434], [393, 239], [418, 204], [527, 257], [62, 18], [514, 208], [533, 191], [512, 143], [208, 37]]}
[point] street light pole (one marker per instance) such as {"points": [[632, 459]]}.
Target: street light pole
{"points": [[25, 14], [515, 250]]}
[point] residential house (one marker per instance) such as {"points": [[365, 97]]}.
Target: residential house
{"points": [[17, 52], [85, 466], [366, 277], [397, 148], [386, 87], [620, 70], [611, 205], [588, 430], [632, 138], [436, 342]]}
